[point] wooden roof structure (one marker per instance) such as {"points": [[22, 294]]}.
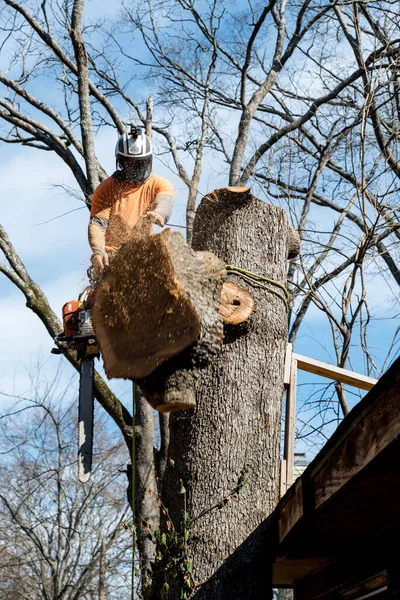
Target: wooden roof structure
{"points": [[338, 525]]}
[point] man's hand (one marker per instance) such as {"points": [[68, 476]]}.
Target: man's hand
{"points": [[154, 217], [99, 263]]}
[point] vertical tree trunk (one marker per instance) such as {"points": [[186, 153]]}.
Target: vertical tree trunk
{"points": [[146, 494], [237, 422], [85, 108], [102, 571]]}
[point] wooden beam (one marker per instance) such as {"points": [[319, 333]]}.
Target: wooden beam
{"points": [[288, 362], [311, 365], [290, 421], [283, 484]]}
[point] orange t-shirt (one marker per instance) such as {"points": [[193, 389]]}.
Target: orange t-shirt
{"points": [[122, 203]]}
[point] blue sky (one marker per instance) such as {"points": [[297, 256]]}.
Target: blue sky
{"points": [[55, 251], [54, 248]]}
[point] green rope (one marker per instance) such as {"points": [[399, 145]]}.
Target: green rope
{"points": [[133, 460], [256, 279]]}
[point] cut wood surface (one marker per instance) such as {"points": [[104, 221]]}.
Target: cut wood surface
{"points": [[237, 304], [150, 305], [171, 387]]}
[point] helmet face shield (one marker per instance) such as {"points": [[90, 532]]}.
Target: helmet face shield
{"points": [[136, 170]]}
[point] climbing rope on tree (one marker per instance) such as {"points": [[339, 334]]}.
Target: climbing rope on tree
{"points": [[257, 279]]}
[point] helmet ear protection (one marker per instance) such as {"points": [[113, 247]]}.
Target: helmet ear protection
{"points": [[134, 155]]}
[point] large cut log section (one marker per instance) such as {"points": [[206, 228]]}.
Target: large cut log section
{"points": [[157, 299]]}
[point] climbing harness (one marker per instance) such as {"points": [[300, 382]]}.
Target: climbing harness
{"points": [[256, 279]]}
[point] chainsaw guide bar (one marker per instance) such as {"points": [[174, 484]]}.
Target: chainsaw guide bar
{"points": [[85, 419], [78, 335]]}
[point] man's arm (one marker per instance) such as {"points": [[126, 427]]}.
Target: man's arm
{"points": [[98, 223], [161, 209], [164, 204], [96, 233]]}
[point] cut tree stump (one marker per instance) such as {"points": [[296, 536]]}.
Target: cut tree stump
{"points": [[157, 299], [236, 427]]}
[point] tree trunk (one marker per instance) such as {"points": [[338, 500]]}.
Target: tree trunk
{"points": [[146, 493], [102, 570], [237, 423]]}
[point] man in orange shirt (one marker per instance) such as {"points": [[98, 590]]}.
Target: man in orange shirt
{"points": [[130, 194]]}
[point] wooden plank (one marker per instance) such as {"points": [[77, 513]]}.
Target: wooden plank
{"points": [[288, 362], [286, 570], [291, 510], [311, 365], [372, 431], [366, 588], [290, 421], [352, 482], [283, 484], [329, 582]]}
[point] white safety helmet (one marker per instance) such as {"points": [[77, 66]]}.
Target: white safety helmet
{"points": [[134, 155]]}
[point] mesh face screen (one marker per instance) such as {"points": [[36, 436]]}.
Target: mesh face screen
{"points": [[136, 170]]}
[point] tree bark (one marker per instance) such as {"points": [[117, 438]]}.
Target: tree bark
{"points": [[85, 108], [102, 590], [237, 422], [146, 493], [171, 387]]}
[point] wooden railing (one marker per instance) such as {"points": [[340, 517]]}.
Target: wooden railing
{"points": [[292, 363]]}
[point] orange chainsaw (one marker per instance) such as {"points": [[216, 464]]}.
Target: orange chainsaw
{"points": [[79, 335]]}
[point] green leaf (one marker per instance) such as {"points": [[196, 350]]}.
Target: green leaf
{"points": [[165, 590], [171, 462], [186, 535], [164, 539], [187, 584], [183, 489], [189, 566]]}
